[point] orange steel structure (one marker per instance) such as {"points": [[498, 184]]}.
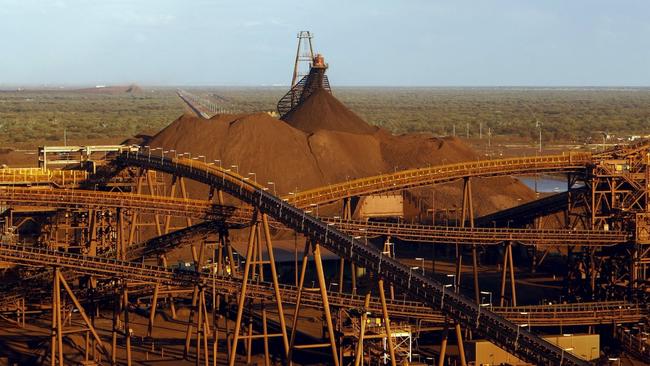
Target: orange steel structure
{"points": [[38, 176], [296, 219], [613, 218], [205, 210]]}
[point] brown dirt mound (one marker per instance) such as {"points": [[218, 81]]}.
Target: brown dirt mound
{"points": [[139, 139], [133, 89], [254, 143], [322, 111], [422, 150], [294, 159], [321, 143], [342, 156]]}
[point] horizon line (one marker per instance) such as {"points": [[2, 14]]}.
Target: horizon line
{"points": [[75, 86]]}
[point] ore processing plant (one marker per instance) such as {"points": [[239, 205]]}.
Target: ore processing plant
{"points": [[89, 233]]}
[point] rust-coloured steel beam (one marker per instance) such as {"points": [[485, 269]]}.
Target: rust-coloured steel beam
{"points": [[542, 315]]}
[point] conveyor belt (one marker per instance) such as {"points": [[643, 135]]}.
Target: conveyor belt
{"points": [[467, 235], [570, 163], [553, 315], [482, 322], [237, 217]]}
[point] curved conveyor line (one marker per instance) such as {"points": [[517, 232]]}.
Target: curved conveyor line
{"points": [[483, 236], [569, 163], [460, 308], [236, 217]]}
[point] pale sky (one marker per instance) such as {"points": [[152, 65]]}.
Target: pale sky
{"points": [[380, 42]]}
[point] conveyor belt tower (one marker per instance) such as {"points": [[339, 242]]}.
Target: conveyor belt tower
{"points": [[302, 86]]}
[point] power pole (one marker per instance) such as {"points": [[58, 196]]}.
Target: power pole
{"points": [[489, 137], [538, 124]]}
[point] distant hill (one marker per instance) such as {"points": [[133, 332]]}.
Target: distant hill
{"points": [[111, 89]]}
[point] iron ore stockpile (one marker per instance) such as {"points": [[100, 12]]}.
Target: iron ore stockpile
{"points": [[318, 239], [322, 142]]}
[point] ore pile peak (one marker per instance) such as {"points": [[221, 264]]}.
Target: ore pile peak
{"points": [[322, 111]]}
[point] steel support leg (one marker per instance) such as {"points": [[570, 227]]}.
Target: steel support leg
{"points": [[127, 329], [389, 334], [296, 312], [461, 346], [265, 333], [152, 312], [57, 325], [512, 277], [468, 220], [326, 305], [116, 318], [242, 295], [504, 271], [198, 262], [443, 345], [276, 284], [341, 274], [81, 310], [358, 359]]}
